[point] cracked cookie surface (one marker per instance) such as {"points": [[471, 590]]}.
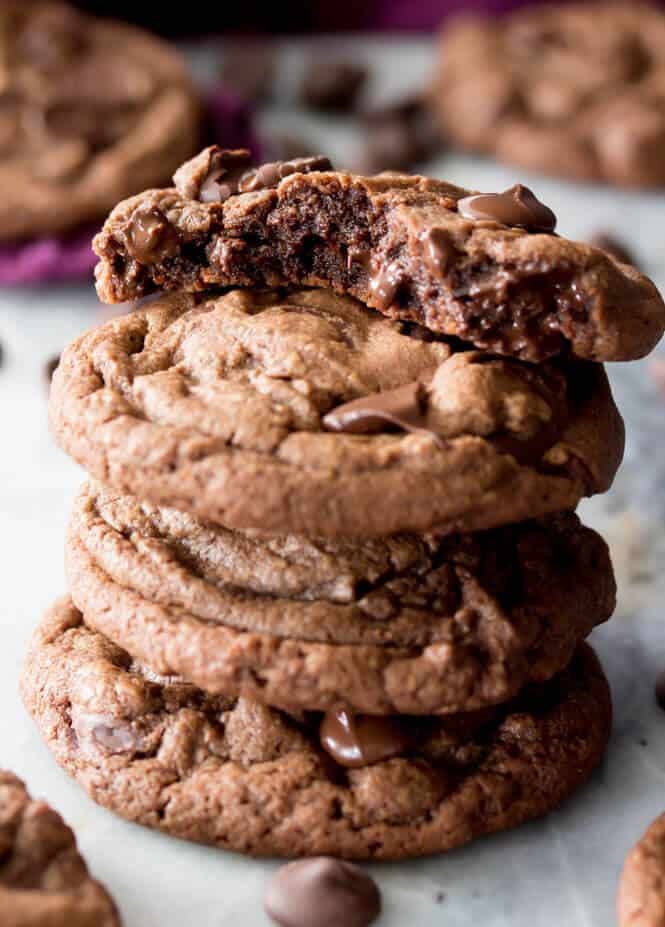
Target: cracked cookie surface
{"points": [[405, 624], [92, 110], [399, 243], [215, 405], [562, 89], [242, 776], [43, 879]]}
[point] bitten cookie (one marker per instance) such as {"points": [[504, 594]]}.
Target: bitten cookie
{"points": [[484, 268], [641, 898], [43, 879], [399, 625], [304, 412], [242, 776], [92, 111], [566, 89]]}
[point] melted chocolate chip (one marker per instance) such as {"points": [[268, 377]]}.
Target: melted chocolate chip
{"points": [[613, 246], [213, 175], [322, 891], [269, 175], [404, 407], [150, 238], [517, 206], [659, 690], [384, 285], [438, 250], [361, 740]]}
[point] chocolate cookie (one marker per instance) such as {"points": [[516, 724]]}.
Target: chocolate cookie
{"points": [[234, 407], [242, 776], [91, 111], [402, 624], [486, 269], [564, 89], [43, 879], [641, 898]]}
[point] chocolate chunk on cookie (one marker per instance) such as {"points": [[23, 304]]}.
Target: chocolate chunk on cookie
{"points": [[221, 405], [641, 897], [401, 624], [559, 89], [43, 879], [91, 110], [238, 775], [416, 249]]}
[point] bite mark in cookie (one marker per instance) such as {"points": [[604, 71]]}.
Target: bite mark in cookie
{"points": [[402, 245]]}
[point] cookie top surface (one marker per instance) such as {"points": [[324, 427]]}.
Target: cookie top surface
{"points": [[414, 248], [560, 88], [239, 775], [404, 624], [43, 879], [220, 406], [91, 111], [641, 897]]}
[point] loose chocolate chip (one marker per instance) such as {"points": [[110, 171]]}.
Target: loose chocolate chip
{"points": [[659, 690], [517, 206], [322, 891], [403, 407], [248, 69], [399, 135], [50, 367], [332, 85], [614, 246], [269, 175], [361, 740], [149, 237]]}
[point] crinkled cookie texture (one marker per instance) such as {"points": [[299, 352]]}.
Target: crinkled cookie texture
{"points": [[214, 405], [241, 776], [44, 882], [92, 111], [567, 89], [641, 897], [399, 243], [398, 625]]}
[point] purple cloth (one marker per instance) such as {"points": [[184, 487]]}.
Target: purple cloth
{"points": [[70, 257]]}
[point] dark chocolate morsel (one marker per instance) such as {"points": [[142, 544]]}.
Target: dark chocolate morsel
{"points": [[361, 740], [150, 237], [269, 175], [613, 246], [659, 690], [322, 891], [403, 407], [332, 85], [518, 206]]}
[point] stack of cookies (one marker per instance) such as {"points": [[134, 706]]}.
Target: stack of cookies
{"points": [[328, 590]]}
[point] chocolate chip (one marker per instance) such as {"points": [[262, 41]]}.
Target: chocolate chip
{"points": [[403, 408], [248, 69], [361, 740], [50, 367], [659, 690], [399, 135], [518, 206], [322, 891], [149, 237], [269, 175], [213, 175], [613, 246], [332, 85]]}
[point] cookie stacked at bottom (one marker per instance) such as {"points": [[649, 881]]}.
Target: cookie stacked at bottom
{"points": [[383, 696]]}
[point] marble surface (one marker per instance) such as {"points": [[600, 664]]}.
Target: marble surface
{"points": [[561, 870]]}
